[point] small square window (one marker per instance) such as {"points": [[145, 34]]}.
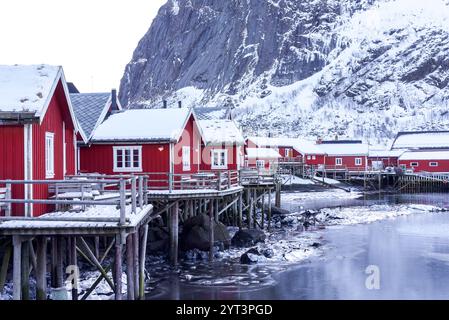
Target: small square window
{"points": [[127, 159], [338, 161]]}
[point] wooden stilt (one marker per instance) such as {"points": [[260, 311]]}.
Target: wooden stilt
{"points": [[4, 268], [211, 231], [135, 236], [174, 234], [54, 251], [240, 211], [74, 262], [249, 207], [25, 271], [118, 267], [269, 209], [17, 268], [254, 205], [216, 212], [130, 267], [143, 248], [263, 210], [97, 247], [59, 263], [41, 270]]}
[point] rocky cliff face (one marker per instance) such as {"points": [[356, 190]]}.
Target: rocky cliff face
{"points": [[364, 68]]}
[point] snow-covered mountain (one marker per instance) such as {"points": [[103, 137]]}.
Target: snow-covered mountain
{"points": [[315, 68]]}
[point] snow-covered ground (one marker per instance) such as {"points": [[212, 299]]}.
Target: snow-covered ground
{"points": [[294, 180], [319, 195]]}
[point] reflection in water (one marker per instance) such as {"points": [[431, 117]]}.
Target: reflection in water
{"points": [[412, 253]]}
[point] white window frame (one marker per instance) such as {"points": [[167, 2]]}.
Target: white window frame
{"points": [[414, 164], [313, 157], [358, 162], [186, 160], [309, 157], [287, 152], [338, 161], [132, 168], [49, 155], [433, 164], [260, 164], [220, 152]]}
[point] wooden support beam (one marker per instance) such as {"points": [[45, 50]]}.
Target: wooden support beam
{"points": [[211, 231], [73, 261], [136, 244], [130, 267], [173, 227], [269, 209], [97, 247], [59, 263], [240, 211], [254, 202], [17, 268], [118, 267], [41, 268], [143, 252], [263, 210], [249, 206], [25, 271], [95, 284], [4, 267]]}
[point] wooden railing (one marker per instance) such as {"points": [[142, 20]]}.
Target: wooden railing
{"points": [[257, 176], [122, 189]]}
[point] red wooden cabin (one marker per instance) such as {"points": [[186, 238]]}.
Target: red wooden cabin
{"points": [[381, 159], [345, 155], [37, 131], [435, 161], [222, 145], [150, 141], [284, 146], [262, 158]]}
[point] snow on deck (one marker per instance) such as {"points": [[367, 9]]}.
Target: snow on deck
{"points": [[385, 153], [301, 145], [26, 88], [266, 153], [193, 191], [220, 132], [143, 124], [422, 140], [96, 212]]}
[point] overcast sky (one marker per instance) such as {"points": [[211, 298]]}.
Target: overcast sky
{"points": [[92, 39]]}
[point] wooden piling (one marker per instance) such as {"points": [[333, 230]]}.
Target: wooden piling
{"points": [[17, 268], [129, 267], [4, 267], [173, 226], [41, 270], [240, 211], [211, 231], [135, 237], [25, 271], [118, 267], [143, 248], [269, 209], [74, 263]]}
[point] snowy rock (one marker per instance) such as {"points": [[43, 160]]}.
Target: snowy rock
{"points": [[247, 238], [278, 211], [195, 234]]}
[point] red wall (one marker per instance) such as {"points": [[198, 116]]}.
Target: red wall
{"points": [[423, 165], [348, 162], [387, 161], [252, 163], [57, 113], [319, 159], [189, 138], [12, 160]]}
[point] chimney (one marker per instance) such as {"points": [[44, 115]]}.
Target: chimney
{"points": [[164, 102], [114, 105], [336, 137], [180, 104]]}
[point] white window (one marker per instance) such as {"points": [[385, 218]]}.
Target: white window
{"points": [[127, 159], [186, 158], [287, 152], [49, 155], [313, 157], [260, 164], [358, 161], [338, 161], [433, 164], [309, 157], [414, 164], [219, 159]]}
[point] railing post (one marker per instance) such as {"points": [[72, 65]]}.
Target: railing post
{"points": [[134, 194], [219, 180], [8, 196], [141, 192], [170, 182], [145, 189], [229, 179], [122, 202]]}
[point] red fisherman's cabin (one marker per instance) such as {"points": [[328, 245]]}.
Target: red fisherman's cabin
{"points": [[425, 161], [284, 146], [383, 159], [264, 159], [37, 132], [157, 142], [345, 155], [222, 145]]}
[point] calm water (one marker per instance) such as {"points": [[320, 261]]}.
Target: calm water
{"points": [[411, 253]]}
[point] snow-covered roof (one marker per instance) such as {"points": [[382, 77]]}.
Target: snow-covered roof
{"points": [[27, 88], [209, 113], [263, 153], [217, 132], [344, 149], [301, 145], [425, 155], [385, 153], [143, 125], [421, 140]]}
